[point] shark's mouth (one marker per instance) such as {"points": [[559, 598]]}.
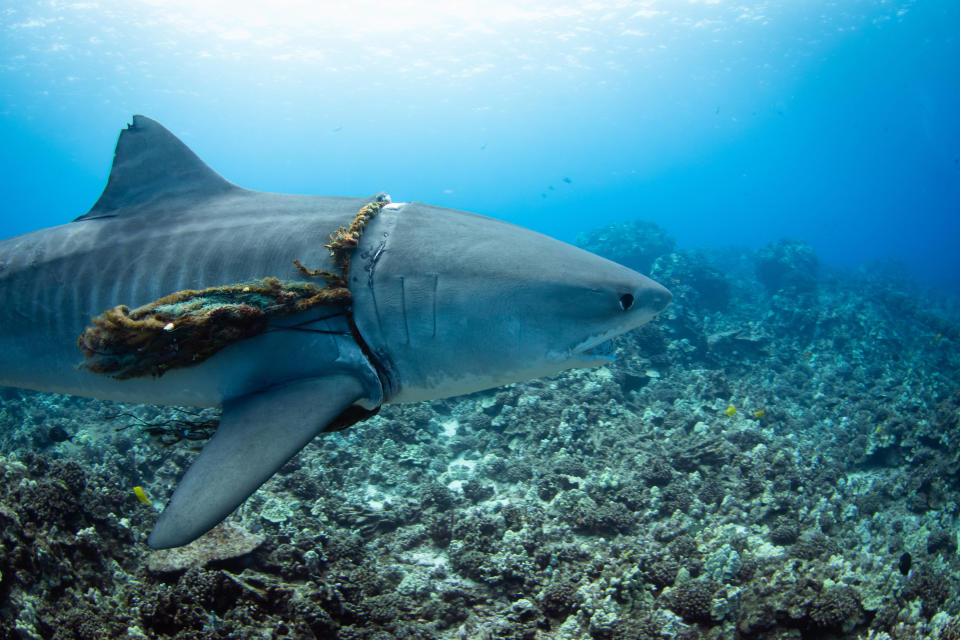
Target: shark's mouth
{"points": [[605, 349], [594, 351]]}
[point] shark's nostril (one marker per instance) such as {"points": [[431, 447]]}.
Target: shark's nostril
{"points": [[664, 298], [657, 299]]}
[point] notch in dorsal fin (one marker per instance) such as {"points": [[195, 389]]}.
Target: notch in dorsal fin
{"points": [[151, 164]]}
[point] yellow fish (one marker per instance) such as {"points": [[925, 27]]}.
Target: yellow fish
{"points": [[142, 495]]}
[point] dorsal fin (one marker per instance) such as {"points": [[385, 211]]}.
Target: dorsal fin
{"points": [[151, 164]]}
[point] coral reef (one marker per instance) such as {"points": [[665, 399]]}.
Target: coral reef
{"points": [[787, 266], [224, 542], [633, 244], [757, 464]]}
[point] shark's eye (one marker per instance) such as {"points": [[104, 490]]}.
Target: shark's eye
{"points": [[626, 301]]}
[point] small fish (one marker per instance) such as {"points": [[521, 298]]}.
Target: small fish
{"points": [[567, 180], [142, 495], [730, 411], [760, 414], [483, 146], [58, 434], [906, 561]]}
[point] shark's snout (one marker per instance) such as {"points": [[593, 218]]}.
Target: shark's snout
{"points": [[655, 297], [645, 297]]}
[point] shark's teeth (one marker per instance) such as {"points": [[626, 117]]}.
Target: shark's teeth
{"points": [[600, 345], [604, 349]]}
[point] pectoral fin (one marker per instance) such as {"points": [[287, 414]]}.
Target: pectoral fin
{"points": [[258, 433]]}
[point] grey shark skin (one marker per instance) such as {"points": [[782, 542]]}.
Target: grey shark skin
{"points": [[446, 302]]}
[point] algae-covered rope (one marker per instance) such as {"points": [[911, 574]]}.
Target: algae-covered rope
{"points": [[342, 243], [187, 327]]}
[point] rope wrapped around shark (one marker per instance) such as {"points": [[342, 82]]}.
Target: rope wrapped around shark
{"points": [[187, 327]]}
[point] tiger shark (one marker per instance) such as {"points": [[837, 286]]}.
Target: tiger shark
{"points": [[435, 303]]}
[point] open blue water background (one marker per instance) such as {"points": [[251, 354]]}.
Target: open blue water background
{"points": [[728, 123]]}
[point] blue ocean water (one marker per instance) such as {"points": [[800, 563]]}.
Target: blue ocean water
{"points": [[728, 123], [775, 455]]}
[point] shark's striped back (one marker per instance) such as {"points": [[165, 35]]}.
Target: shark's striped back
{"points": [[53, 281]]}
